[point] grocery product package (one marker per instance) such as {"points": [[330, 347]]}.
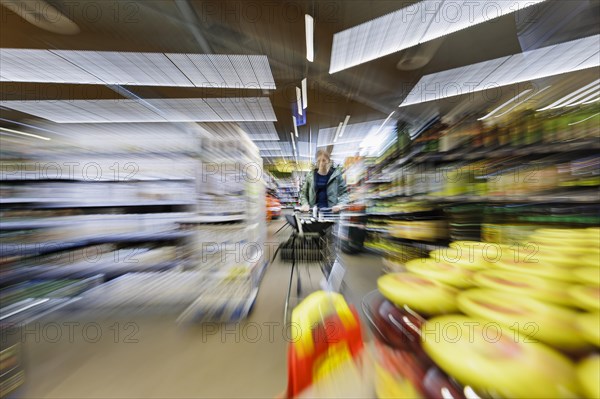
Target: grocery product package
{"points": [[327, 350]]}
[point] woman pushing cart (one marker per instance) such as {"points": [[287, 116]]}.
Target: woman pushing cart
{"points": [[313, 238], [324, 186]]}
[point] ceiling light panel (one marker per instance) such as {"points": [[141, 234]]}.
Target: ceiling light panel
{"points": [[304, 149], [120, 138], [547, 61], [276, 149], [269, 145], [131, 68], [354, 133], [260, 131], [23, 65], [151, 110], [224, 131], [147, 69], [418, 23]]}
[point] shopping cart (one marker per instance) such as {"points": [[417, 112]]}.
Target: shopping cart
{"points": [[314, 241]]}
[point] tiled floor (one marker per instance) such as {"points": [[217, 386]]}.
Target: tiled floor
{"points": [[155, 358]]}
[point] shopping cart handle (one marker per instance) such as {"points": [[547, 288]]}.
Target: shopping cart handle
{"points": [[298, 209]]}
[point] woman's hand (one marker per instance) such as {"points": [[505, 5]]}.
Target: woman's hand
{"points": [[336, 208], [304, 208]]}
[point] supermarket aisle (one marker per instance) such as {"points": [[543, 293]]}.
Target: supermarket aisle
{"points": [[152, 357]]}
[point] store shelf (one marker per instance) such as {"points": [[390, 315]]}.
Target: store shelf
{"points": [[425, 245], [64, 221], [30, 310], [383, 197], [214, 219], [46, 247], [588, 197], [16, 275], [533, 149], [51, 203], [375, 230], [108, 269], [384, 213], [32, 180], [378, 181], [81, 270], [403, 160]]}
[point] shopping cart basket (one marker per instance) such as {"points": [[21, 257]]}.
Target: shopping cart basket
{"points": [[313, 241]]}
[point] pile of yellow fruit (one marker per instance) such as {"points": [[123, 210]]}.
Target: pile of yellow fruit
{"points": [[529, 312]]}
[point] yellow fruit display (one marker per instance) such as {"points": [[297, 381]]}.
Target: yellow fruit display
{"points": [[465, 258], [589, 327], [420, 293], [588, 374], [586, 297], [497, 361], [538, 268], [540, 321], [587, 275], [522, 284], [444, 272]]}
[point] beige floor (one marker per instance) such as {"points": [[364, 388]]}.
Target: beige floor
{"points": [[155, 358]]}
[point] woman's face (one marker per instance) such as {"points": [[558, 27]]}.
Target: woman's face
{"points": [[323, 162]]}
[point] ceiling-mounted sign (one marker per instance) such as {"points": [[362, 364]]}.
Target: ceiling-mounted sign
{"points": [[300, 119]]}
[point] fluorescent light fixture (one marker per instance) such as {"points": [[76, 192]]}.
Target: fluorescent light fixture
{"points": [[293, 143], [578, 100], [377, 138], [504, 105], [418, 23], [24, 134], [310, 142], [521, 102], [299, 100], [231, 109], [344, 125], [295, 127], [583, 120], [270, 149], [337, 132], [355, 133], [135, 69], [557, 104], [309, 27], [28, 125], [384, 122], [304, 94], [535, 64]]}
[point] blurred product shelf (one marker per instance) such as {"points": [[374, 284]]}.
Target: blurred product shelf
{"points": [[139, 218]]}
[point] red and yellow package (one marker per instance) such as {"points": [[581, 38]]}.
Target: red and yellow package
{"points": [[330, 337]]}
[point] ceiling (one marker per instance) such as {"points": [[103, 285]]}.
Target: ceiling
{"points": [[368, 92]]}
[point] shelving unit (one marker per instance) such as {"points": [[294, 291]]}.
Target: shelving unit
{"points": [[556, 171], [86, 207], [227, 240], [288, 194], [58, 225]]}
